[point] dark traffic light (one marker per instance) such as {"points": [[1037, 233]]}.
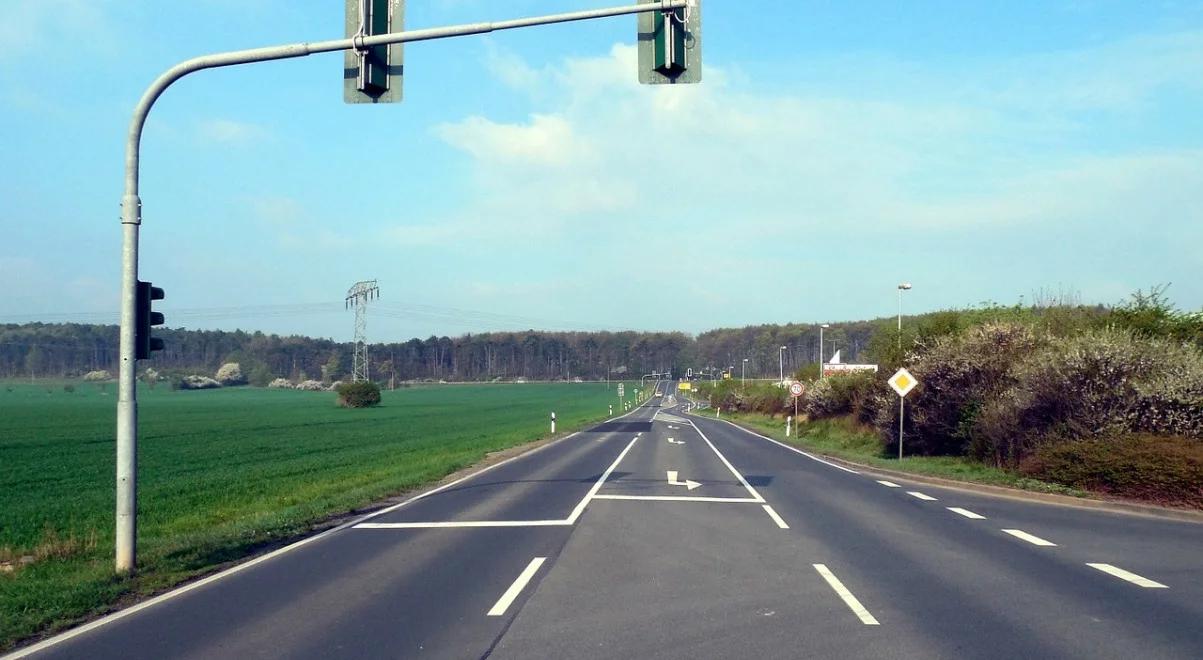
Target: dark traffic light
{"points": [[144, 344]]}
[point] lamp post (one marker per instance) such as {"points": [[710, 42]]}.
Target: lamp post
{"points": [[781, 365], [905, 286], [821, 329], [743, 373]]}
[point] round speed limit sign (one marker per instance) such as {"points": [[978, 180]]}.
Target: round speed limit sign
{"points": [[796, 388]]}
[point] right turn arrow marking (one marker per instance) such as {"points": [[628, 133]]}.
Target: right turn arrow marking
{"points": [[688, 483]]}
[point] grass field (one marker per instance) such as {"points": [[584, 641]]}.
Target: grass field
{"points": [[223, 472]]}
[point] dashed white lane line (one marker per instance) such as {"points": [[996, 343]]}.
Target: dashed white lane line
{"points": [[776, 518], [850, 600], [888, 484], [1034, 540], [1129, 576], [967, 513], [922, 496], [510, 594]]}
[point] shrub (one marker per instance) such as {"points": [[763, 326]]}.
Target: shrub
{"points": [[1103, 383], [957, 375], [97, 376], [311, 386], [363, 394], [196, 382], [280, 383], [230, 373], [1161, 469], [844, 394], [69, 388]]}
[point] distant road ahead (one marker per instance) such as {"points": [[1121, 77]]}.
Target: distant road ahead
{"points": [[667, 535]]}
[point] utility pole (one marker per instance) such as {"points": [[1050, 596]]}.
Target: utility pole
{"points": [[670, 63], [358, 297]]}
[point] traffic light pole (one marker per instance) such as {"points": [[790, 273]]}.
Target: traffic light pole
{"points": [[131, 217]]}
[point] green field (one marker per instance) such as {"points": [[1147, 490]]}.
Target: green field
{"points": [[223, 473]]}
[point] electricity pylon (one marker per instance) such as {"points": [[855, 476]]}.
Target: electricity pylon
{"points": [[358, 297]]}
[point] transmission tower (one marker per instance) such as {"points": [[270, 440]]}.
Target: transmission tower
{"points": [[358, 297]]}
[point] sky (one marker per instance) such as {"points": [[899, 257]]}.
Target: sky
{"points": [[983, 151]]}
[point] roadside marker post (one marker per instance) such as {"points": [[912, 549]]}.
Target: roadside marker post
{"points": [[378, 65], [788, 421], [553, 422], [902, 382]]}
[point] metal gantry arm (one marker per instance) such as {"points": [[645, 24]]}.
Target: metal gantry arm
{"points": [[131, 214]]}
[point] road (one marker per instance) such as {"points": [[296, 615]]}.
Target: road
{"points": [[665, 534]]}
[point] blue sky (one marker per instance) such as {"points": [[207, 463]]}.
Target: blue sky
{"points": [[981, 150]]}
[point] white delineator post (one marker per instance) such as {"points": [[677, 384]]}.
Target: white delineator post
{"points": [[788, 421], [553, 422]]}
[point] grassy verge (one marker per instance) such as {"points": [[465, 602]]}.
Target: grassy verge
{"points": [[224, 473], [843, 438]]}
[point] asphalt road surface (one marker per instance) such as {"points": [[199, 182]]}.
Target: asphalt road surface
{"points": [[664, 534]]}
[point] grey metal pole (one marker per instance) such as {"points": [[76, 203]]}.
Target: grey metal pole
{"points": [[901, 402], [131, 218], [900, 321], [821, 353]]}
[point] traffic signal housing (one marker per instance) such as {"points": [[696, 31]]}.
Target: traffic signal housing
{"points": [[374, 74], [670, 45], [146, 318]]}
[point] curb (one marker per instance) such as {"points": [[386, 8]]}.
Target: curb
{"points": [[1114, 506]]}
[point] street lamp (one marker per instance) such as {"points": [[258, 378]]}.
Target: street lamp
{"points": [[905, 286], [781, 365], [821, 329], [743, 373]]}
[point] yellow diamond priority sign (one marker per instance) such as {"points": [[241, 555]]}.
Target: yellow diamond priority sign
{"points": [[903, 382]]}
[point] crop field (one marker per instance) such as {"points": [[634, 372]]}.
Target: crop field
{"points": [[223, 472]]}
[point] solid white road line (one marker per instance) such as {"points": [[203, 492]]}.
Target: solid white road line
{"points": [[1126, 575], [922, 496], [678, 498], [1034, 540], [175, 593], [888, 484], [776, 518], [510, 594], [464, 523], [850, 600], [966, 512], [793, 449], [728, 464], [580, 507]]}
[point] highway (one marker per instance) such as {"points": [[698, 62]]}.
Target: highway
{"points": [[667, 534]]}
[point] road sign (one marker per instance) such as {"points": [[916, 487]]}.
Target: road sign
{"points": [[796, 389], [373, 75], [903, 382], [621, 391], [670, 45], [684, 386]]}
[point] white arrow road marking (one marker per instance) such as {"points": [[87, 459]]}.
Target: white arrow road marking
{"points": [[675, 442], [688, 483]]}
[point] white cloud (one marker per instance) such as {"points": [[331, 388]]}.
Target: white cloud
{"points": [[230, 132], [545, 140]]}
